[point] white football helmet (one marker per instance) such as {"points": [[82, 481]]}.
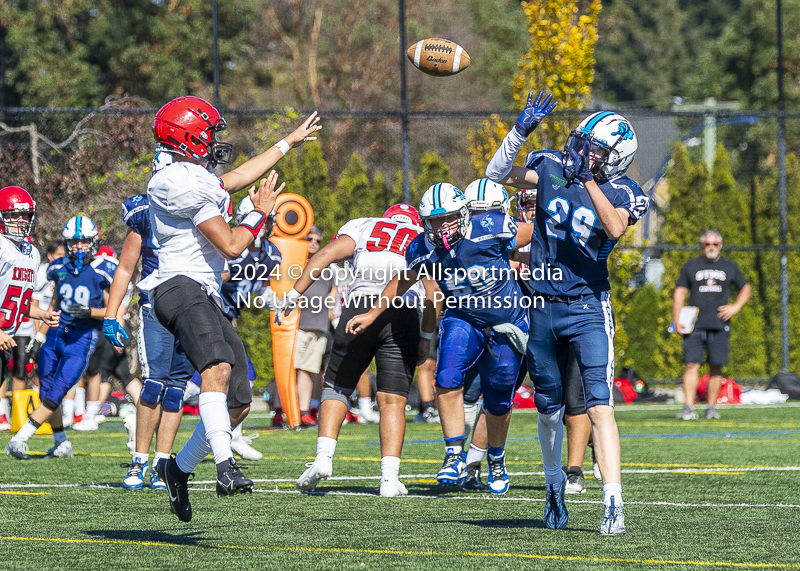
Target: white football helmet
{"points": [[443, 200], [80, 228], [484, 195], [161, 159], [608, 139], [523, 198]]}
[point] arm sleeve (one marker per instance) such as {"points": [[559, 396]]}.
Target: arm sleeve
{"points": [[503, 159]]}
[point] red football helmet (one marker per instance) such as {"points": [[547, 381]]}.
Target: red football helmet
{"points": [[106, 251], [16, 200], [188, 126], [404, 213]]}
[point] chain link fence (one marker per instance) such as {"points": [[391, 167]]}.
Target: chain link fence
{"points": [[90, 160]]}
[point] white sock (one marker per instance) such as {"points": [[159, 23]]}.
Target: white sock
{"points": [[470, 416], [390, 468], [92, 409], [236, 433], [326, 446], [3, 407], [194, 450], [80, 401], [551, 436], [160, 456], [27, 430], [612, 491], [68, 409], [214, 414], [141, 458], [475, 454], [365, 405], [59, 437]]}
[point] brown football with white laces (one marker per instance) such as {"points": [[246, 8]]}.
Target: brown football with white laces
{"points": [[439, 57]]}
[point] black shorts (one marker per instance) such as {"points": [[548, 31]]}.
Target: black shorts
{"points": [[392, 340], [574, 403], [106, 362], [715, 343], [207, 337], [20, 356], [5, 359]]}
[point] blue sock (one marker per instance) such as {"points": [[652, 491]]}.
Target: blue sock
{"points": [[495, 452]]}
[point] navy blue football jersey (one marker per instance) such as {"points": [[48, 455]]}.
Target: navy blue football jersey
{"points": [[250, 273], [569, 244], [82, 287], [475, 275], [136, 214]]}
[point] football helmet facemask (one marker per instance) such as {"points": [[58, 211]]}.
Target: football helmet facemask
{"points": [[80, 228], [16, 201], [607, 139], [484, 195]]}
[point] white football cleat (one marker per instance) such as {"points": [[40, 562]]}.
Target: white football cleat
{"points": [[392, 489], [63, 450], [100, 418], [318, 470], [613, 519], [67, 421], [241, 445], [86, 424]]}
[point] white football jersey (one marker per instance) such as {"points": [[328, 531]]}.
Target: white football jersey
{"points": [[380, 254], [182, 196], [43, 289], [17, 278]]}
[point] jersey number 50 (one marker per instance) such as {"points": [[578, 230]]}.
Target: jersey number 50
{"points": [[380, 238]]}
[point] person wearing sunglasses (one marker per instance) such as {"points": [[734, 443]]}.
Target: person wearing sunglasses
{"points": [[707, 281]]}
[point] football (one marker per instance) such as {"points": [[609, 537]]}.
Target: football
{"points": [[439, 57]]}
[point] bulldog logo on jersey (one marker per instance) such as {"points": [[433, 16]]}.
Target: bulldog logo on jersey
{"points": [[487, 223]]}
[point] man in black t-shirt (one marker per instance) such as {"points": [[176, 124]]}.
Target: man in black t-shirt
{"points": [[707, 279]]}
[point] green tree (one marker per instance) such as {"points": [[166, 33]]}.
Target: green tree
{"points": [[433, 169], [645, 314], [355, 195]]}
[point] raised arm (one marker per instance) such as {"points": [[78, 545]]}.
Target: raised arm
{"points": [[399, 285], [231, 242], [249, 172]]}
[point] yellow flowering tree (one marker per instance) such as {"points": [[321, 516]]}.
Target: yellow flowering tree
{"points": [[560, 60]]}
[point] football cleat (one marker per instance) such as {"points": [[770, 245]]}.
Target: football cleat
{"points": [[392, 489], [17, 449], [156, 483], [4, 424], [453, 472], [231, 481], [241, 445], [688, 413], [86, 424], [320, 469], [61, 450], [711, 413], [307, 421], [177, 486], [555, 510], [613, 519], [78, 418], [575, 483], [134, 479], [430, 415], [498, 477], [473, 483]]}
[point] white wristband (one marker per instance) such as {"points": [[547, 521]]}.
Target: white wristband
{"points": [[40, 337], [423, 335], [283, 146]]}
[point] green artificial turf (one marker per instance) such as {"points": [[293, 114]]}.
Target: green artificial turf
{"points": [[707, 494]]}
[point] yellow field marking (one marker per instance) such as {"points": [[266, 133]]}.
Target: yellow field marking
{"points": [[12, 493], [416, 553]]}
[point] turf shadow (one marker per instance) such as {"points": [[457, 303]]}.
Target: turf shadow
{"points": [[149, 536], [513, 523]]}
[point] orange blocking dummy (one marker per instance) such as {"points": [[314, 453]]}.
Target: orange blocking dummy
{"points": [[293, 221]]}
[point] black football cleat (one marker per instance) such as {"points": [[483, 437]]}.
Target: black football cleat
{"points": [[230, 480], [177, 487], [473, 482]]}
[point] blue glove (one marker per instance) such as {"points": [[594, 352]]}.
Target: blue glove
{"points": [[114, 332], [534, 113], [581, 166]]}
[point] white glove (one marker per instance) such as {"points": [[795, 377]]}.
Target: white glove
{"points": [[290, 301]]}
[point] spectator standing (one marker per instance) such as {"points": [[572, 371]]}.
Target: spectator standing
{"points": [[707, 280]]}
